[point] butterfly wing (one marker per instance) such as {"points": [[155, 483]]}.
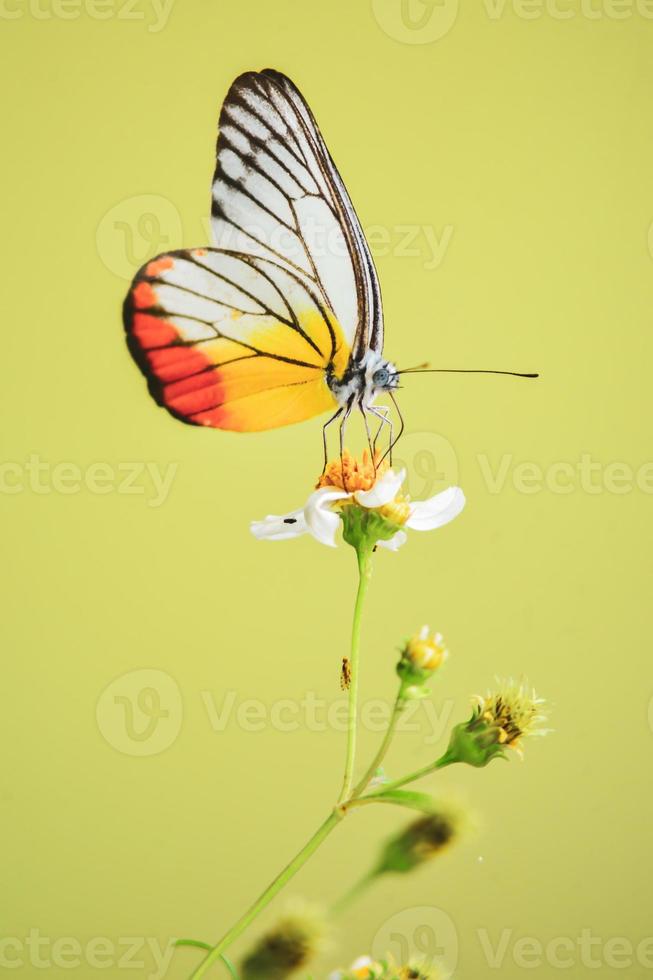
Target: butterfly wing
{"points": [[232, 341], [243, 336], [277, 193]]}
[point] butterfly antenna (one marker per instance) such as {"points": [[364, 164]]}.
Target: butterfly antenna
{"points": [[418, 367], [424, 369]]}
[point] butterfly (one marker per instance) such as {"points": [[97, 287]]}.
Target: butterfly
{"points": [[281, 319]]}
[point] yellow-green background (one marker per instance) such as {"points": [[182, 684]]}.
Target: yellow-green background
{"points": [[532, 140]]}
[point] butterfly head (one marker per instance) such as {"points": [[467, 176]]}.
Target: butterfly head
{"points": [[364, 379], [379, 374]]}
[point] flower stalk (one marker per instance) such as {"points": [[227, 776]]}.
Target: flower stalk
{"points": [[445, 760], [364, 558], [270, 892], [364, 546], [375, 765], [368, 506], [421, 656]]}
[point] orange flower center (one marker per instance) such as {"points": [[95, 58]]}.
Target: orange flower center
{"points": [[350, 474]]}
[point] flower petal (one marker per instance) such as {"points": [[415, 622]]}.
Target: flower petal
{"points": [[395, 543], [384, 490], [362, 963], [426, 515], [274, 528], [321, 520]]}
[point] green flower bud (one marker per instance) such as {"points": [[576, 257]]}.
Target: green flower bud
{"points": [[420, 841], [284, 949], [475, 742], [500, 720]]}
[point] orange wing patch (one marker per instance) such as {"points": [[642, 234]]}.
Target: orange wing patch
{"points": [[223, 346]]}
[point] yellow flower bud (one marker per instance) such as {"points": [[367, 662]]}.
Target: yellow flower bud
{"points": [[426, 651]]}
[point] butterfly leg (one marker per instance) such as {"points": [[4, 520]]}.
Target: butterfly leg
{"points": [[324, 437], [343, 423], [371, 445], [402, 426], [385, 419]]}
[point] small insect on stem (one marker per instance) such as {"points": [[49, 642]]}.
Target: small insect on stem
{"points": [[345, 674]]}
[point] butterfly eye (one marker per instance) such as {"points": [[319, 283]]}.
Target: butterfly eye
{"points": [[381, 378]]}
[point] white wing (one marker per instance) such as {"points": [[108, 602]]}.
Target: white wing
{"points": [[278, 195]]}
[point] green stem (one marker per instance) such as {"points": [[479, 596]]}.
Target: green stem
{"points": [[229, 965], [266, 897], [363, 553], [354, 893], [198, 944], [399, 706], [445, 760]]}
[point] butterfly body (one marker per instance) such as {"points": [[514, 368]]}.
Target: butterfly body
{"points": [[363, 380]]}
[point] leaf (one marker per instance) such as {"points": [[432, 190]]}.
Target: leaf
{"points": [[401, 797]]}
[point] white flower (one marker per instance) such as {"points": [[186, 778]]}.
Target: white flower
{"points": [[320, 518], [364, 966]]}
